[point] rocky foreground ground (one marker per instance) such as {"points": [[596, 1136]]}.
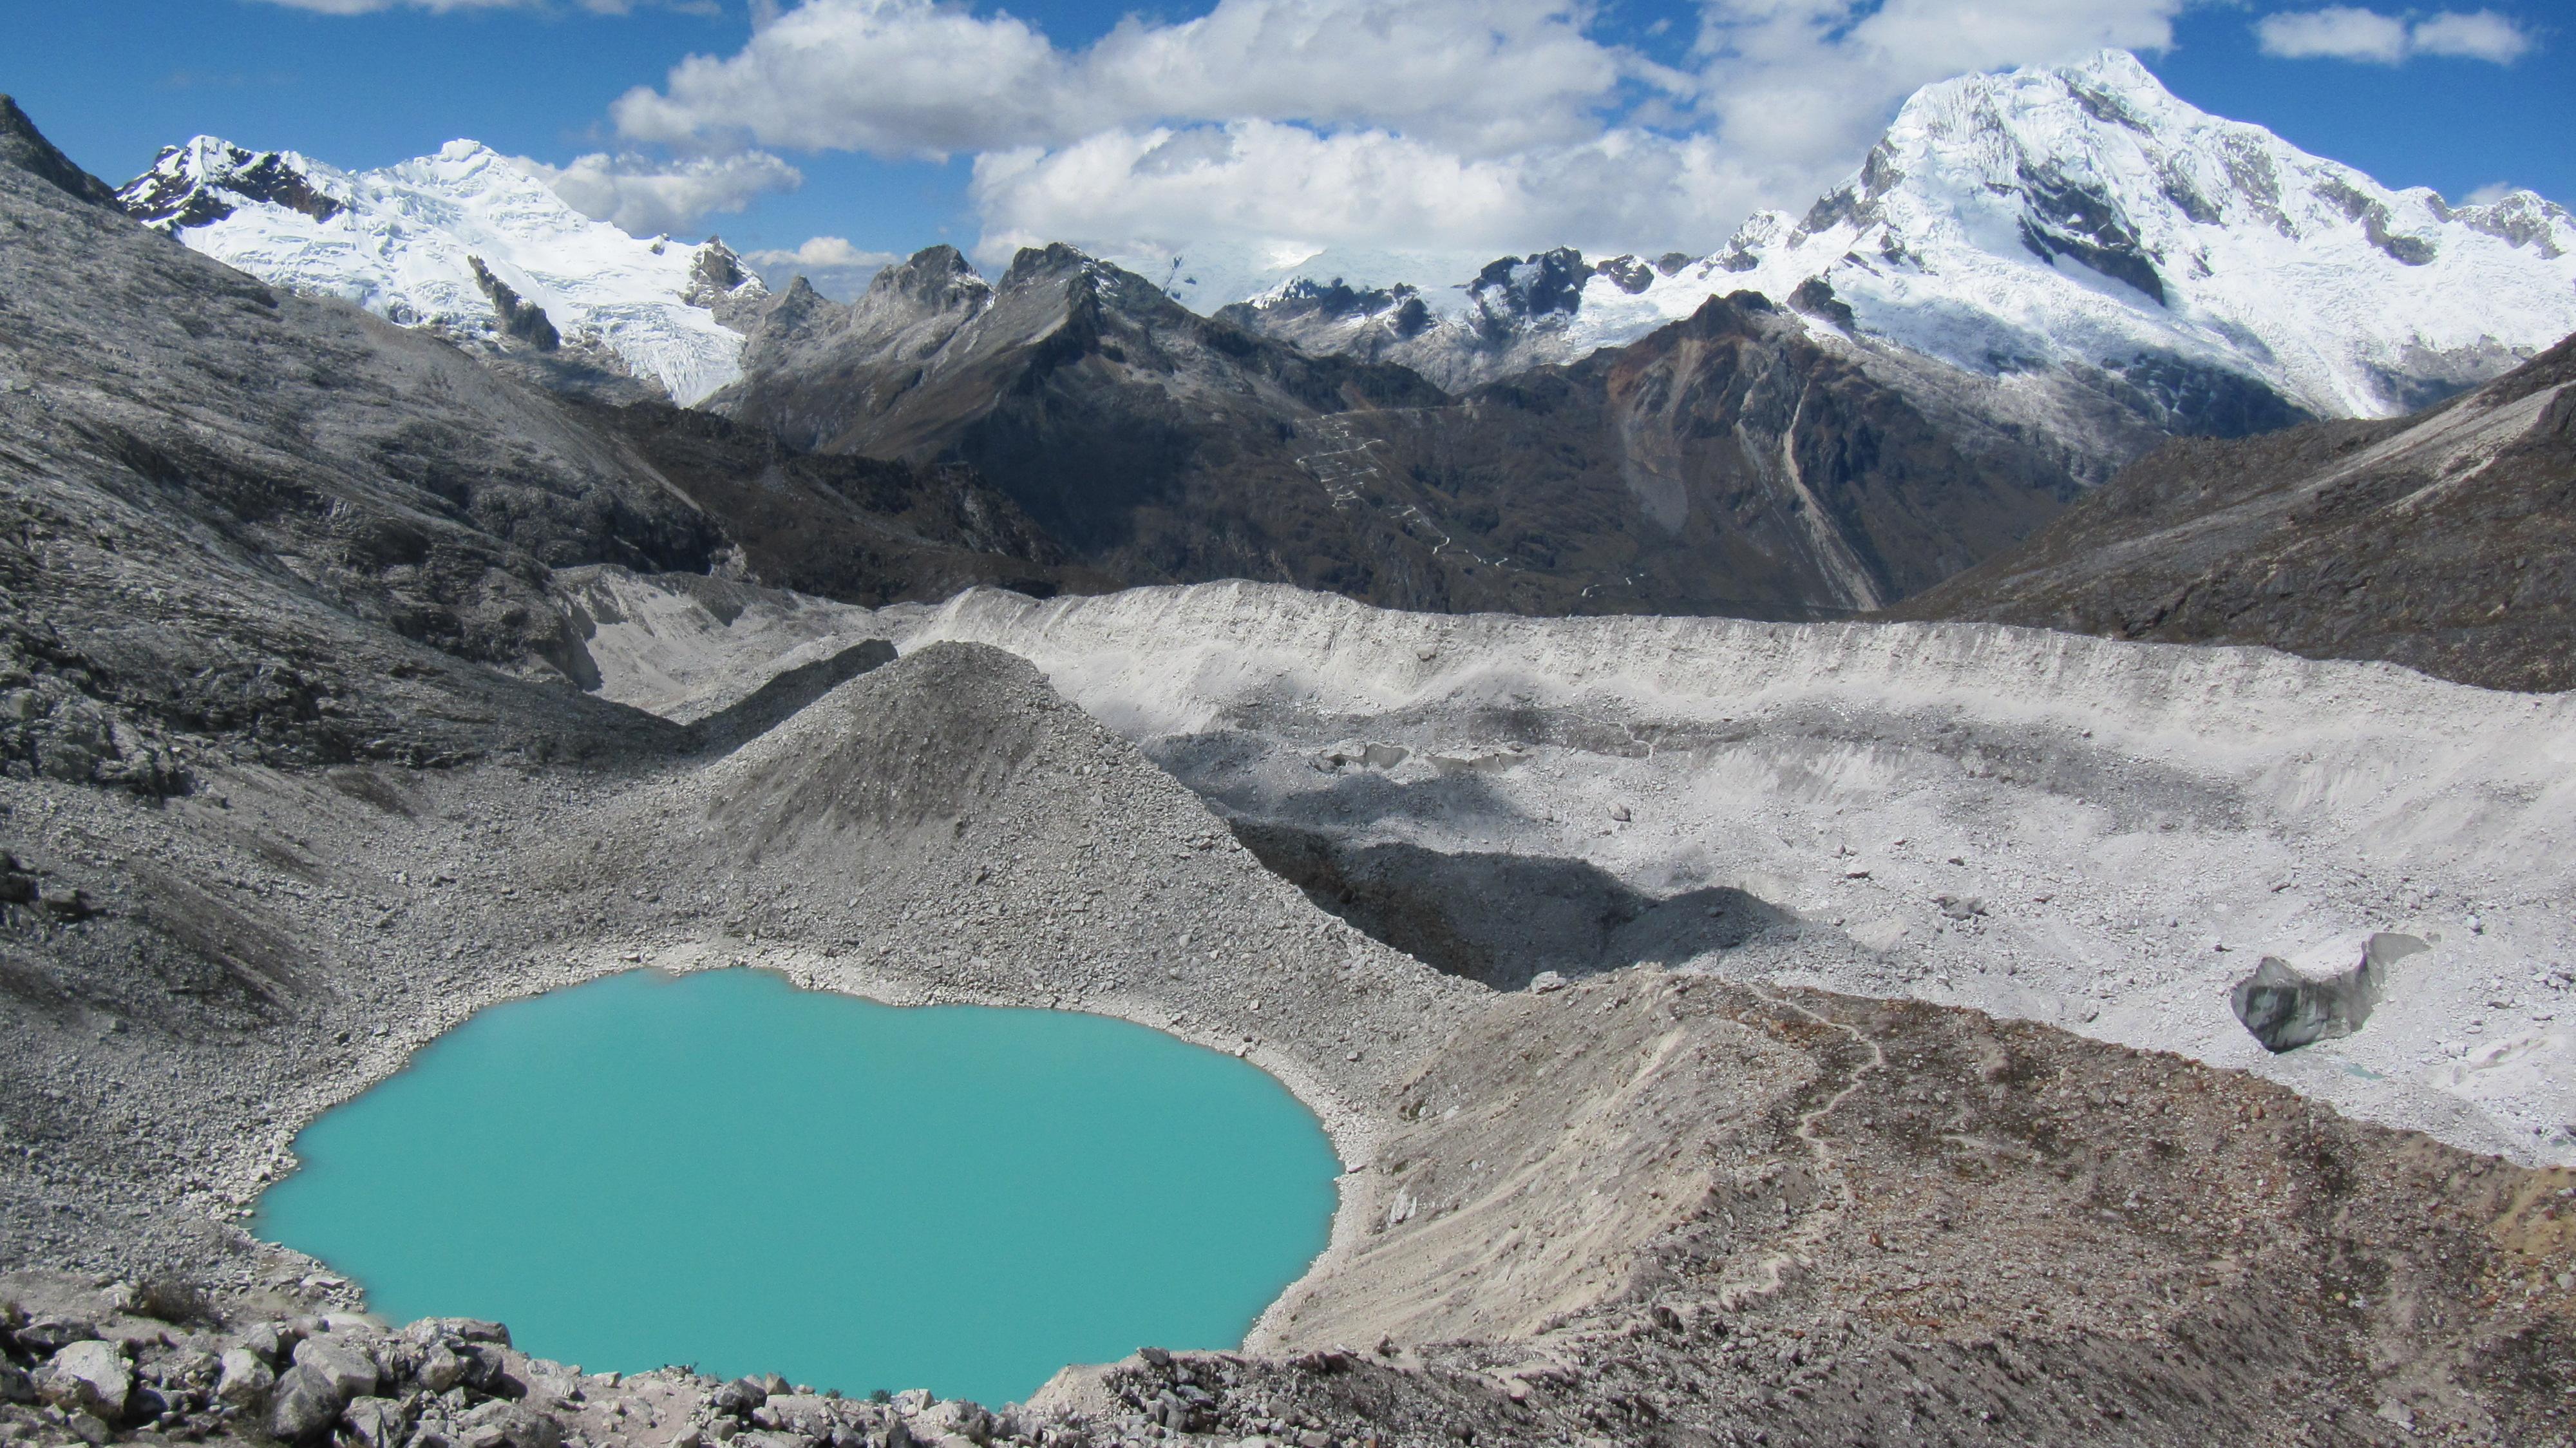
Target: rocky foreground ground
{"points": [[1651, 1205]]}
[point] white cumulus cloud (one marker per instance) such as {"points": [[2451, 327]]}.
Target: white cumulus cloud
{"points": [[1257, 181], [648, 196], [821, 251], [1397, 124], [2345, 32], [2476, 35], [834, 267], [919, 78]]}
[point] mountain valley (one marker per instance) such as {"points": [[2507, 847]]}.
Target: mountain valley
{"points": [[1751, 795]]}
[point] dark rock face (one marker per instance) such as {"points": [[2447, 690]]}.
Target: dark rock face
{"points": [[519, 318], [158, 199], [860, 529], [25, 148], [1519, 289], [1727, 464], [1153, 444], [2445, 541], [1815, 297], [2193, 399], [2073, 220]]}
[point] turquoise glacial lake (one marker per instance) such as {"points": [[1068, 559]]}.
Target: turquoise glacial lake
{"points": [[723, 1170]]}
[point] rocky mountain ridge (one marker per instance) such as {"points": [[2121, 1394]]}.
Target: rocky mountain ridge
{"points": [[2076, 232], [2441, 541], [1728, 464], [244, 519]]}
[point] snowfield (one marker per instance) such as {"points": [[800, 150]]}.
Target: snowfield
{"points": [[403, 241], [2079, 217]]}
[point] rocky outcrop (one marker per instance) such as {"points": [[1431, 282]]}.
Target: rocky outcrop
{"points": [[2443, 542], [519, 319]]}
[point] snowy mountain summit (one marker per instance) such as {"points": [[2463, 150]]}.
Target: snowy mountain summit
{"points": [[2086, 214], [466, 241], [2046, 220]]}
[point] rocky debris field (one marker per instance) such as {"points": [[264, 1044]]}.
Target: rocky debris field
{"points": [[1648, 1204], [116, 1362], [2101, 836]]}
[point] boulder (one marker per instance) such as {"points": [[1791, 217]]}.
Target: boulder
{"points": [[377, 1422], [439, 1370], [961, 1419], [90, 1376], [458, 1329], [802, 1413], [15, 1385], [245, 1379], [270, 1340], [46, 1336], [487, 1370], [304, 1405], [350, 1368], [507, 1425]]}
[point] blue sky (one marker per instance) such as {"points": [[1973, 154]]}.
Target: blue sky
{"points": [[1761, 118]]}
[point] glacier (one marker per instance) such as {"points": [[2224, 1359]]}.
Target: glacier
{"points": [[2034, 221], [464, 241]]}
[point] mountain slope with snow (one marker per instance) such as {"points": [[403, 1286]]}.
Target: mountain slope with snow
{"points": [[466, 242], [2064, 220]]}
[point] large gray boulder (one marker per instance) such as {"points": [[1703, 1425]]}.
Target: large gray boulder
{"points": [[501, 1424], [805, 1413], [245, 1379], [439, 1370], [350, 1368], [90, 1376], [377, 1422], [305, 1404]]}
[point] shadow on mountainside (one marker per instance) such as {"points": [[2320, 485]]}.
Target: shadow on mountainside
{"points": [[1501, 919]]}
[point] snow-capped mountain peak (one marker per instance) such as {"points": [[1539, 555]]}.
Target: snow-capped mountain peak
{"points": [[2085, 213], [2056, 220], [465, 240]]}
